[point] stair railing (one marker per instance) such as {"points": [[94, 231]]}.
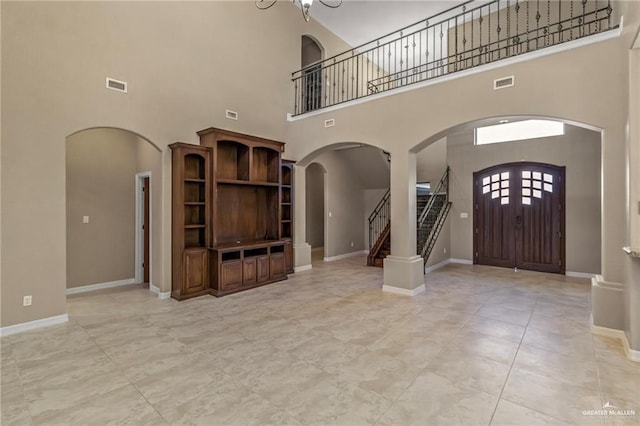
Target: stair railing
{"points": [[441, 188], [379, 219], [471, 34]]}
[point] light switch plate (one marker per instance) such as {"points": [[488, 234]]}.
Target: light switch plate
{"points": [[464, 215], [85, 219]]}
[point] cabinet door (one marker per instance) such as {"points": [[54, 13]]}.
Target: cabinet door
{"points": [[263, 269], [231, 275], [288, 257], [195, 271], [249, 274], [276, 266]]}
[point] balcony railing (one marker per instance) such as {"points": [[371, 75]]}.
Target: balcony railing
{"points": [[469, 35]]}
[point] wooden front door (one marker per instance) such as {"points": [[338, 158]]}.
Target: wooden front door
{"points": [[519, 216]]}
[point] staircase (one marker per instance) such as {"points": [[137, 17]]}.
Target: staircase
{"points": [[380, 231], [432, 211]]}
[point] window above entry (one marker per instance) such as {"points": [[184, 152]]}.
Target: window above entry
{"points": [[517, 131]]}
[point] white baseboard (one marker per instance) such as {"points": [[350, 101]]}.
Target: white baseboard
{"points": [[631, 354], [161, 295], [404, 291], [100, 286], [462, 261], [301, 268], [437, 266], [32, 325], [580, 274], [344, 256]]}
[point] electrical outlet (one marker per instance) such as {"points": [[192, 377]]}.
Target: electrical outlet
{"points": [[351, 243], [85, 219], [445, 249], [26, 300]]}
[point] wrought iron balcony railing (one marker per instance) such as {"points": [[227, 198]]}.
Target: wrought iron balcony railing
{"points": [[469, 35]]}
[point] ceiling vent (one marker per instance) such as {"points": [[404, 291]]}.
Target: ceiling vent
{"points": [[118, 86], [504, 82]]}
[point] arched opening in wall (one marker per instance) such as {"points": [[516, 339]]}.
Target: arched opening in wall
{"points": [[356, 181], [315, 179], [311, 55], [113, 191], [577, 150]]}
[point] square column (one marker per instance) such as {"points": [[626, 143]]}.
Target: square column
{"points": [[404, 269]]}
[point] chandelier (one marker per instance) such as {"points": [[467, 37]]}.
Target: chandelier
{"points": [[305, 5]]}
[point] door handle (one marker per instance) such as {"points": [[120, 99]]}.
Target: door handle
{"points": [[518, 220]]}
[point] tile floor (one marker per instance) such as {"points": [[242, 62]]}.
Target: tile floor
{"points": [[327, 347]]}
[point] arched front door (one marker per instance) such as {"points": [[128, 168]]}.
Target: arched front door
{"points": [[520, 216]]}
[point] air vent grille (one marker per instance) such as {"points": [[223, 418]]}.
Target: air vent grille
{"points": [[504, 82], [117, 85], [329, 123], [231, 115]]}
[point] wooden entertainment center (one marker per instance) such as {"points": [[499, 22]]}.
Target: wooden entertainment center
{"points": [[232, 214]]}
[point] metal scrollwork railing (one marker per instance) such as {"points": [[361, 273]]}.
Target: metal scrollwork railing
{"points": [[379, 219], [471, 34]]}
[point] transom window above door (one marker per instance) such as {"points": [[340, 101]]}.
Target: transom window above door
{"points": [[497, 184]]}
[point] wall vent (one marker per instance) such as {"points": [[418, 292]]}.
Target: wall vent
{"points": [[231, 115], [504, 82], [329, 123], [117, 85]]}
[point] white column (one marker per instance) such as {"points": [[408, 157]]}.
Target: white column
{"points": [[301, 250], [403, 269]]}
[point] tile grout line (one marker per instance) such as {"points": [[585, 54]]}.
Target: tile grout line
{"points": [[515, 356], [124, 375]]}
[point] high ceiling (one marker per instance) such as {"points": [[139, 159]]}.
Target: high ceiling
{"points": [[360, 21]]}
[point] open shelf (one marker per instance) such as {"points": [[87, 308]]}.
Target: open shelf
{"points": [[266, 164], [194, 167], [233, 161]]}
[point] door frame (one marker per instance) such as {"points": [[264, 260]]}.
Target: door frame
{"points": [[562, 200], [139, 232]]}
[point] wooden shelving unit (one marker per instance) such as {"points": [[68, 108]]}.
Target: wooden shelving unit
{"points": [[242, 228], [286, 211], [191, 220]]}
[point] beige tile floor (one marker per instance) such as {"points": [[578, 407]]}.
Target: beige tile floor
{"points": [[327, 347]]}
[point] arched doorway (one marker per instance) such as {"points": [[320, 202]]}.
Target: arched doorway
{"points": [[311, 55], [113, 194], [579, 149]]}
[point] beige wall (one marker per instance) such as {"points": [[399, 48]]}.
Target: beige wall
{"points": [[182, 77], [315, 204], [101, 165], [344, 204], [431, 162], [578, 150]]}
